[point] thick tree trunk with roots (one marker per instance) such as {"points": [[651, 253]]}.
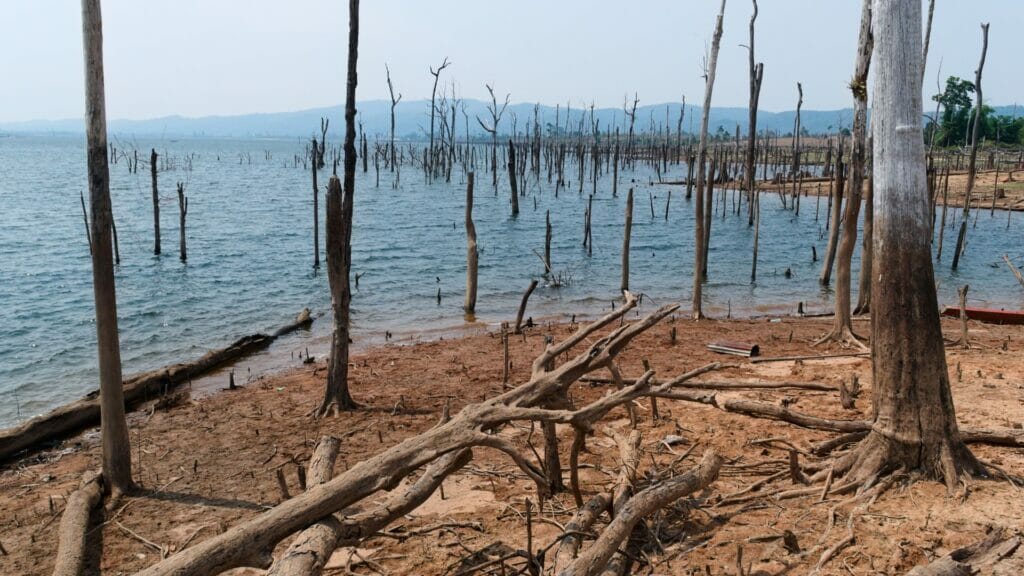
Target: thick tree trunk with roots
{"points": [[117, 462], [339, 239], [914, 424], [842, 326]]}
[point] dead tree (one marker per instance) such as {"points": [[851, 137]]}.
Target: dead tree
{"points": [[156, 203], [339, 239], [914, 426], [251, 542], [522, 307], [972, 164], [842, 326], [927, 41], [316, 209], [394, 104], [182, 213], [496, 114], [117, 463], [472, 255], [318, 161], [1016, 272], [756, 72], [702, 152], [513, 184], [433, 98], [624, 285], [839, 181]]}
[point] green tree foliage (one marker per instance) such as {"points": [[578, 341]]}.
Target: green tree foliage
{"points": [[957, 116]]}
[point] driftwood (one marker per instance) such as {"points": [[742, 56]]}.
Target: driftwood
{"points": [[970, 559], [810, 357], [1015, 270], [728, 385], [250, 543], [85, 413], [74, 526]]}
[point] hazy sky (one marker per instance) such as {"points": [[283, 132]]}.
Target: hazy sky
{"points": [[204, 57]]}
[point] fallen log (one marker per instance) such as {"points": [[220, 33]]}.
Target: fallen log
{"points": [[716, 385], [1014, 269], [72, 418], [971, 559], [74, 526], [809, 357]]}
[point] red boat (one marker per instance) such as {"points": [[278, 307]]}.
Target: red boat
{"points": [[990, 315]]}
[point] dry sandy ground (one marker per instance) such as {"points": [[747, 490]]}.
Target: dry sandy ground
{"points": [[210, 463]]}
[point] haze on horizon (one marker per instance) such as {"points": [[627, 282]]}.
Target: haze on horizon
{"points": [[215, 57]]}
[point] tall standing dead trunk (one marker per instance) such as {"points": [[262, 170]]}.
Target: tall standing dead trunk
{"points": [[339, 239], [867, 261], [117, 462], [433, 109], [839, 180], [472, 256], [753, 198], [316, 210], [709, 85], [156, 203], [394, 103], [182, 213], [914, 426], [972, 164], [624, 285], [842, 325], [513, 183]]}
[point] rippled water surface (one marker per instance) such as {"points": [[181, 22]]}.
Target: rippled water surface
{"points": [[250, 254]]}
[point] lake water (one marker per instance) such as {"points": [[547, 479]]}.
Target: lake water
{"points": [[250, 256]]}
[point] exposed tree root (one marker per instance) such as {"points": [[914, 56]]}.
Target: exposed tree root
{"points": [[74, 526], [844, 336]]}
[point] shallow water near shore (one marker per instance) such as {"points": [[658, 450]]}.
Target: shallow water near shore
{"points": [[250, 256]]}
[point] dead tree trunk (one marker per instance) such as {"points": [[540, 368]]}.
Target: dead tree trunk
{"points": [[394, 103], [866, 250], [547, 243], [522, 306], [117, 464], [842, 326], [316, 210], [756, 72], [702, 152], [512, 177], [839, 179], [156, 203], [339, 239], [624, 285], [972, 164], [182, 213], [472, 255], [1016, 272], [915, 426]]}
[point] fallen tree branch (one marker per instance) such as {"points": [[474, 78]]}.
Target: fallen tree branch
{"points": [[644, 503], [970, 559]]}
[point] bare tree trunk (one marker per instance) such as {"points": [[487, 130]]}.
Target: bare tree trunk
{"points": [[866, 249], [512, 177], [842, 326], [117, 463], [915, 426], [547, 243], [756, 72], [972, 165], [339, 239], [156, 203], [624, 285], [394, 103], [472, 256], [74, 526], [316, 210], [839, 178], [522, 307], [182, 213], [927, 41], [709, 85]]}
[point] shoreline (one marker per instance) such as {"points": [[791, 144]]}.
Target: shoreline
{"points": [[213, 459]]}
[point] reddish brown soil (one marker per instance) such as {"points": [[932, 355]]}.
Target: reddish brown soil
{"points": [[210, 463]]}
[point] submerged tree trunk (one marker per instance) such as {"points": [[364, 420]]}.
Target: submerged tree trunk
{"points": [[339, 239], [182, 213], [472, 256], [756, 72], [702, 152], [117, 462], [156, 203], [914, 426], [316, 210], [972, 165], [624, 285], [512, 177]]}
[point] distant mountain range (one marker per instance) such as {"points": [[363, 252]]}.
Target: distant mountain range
{"points": [[412, 121]]}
